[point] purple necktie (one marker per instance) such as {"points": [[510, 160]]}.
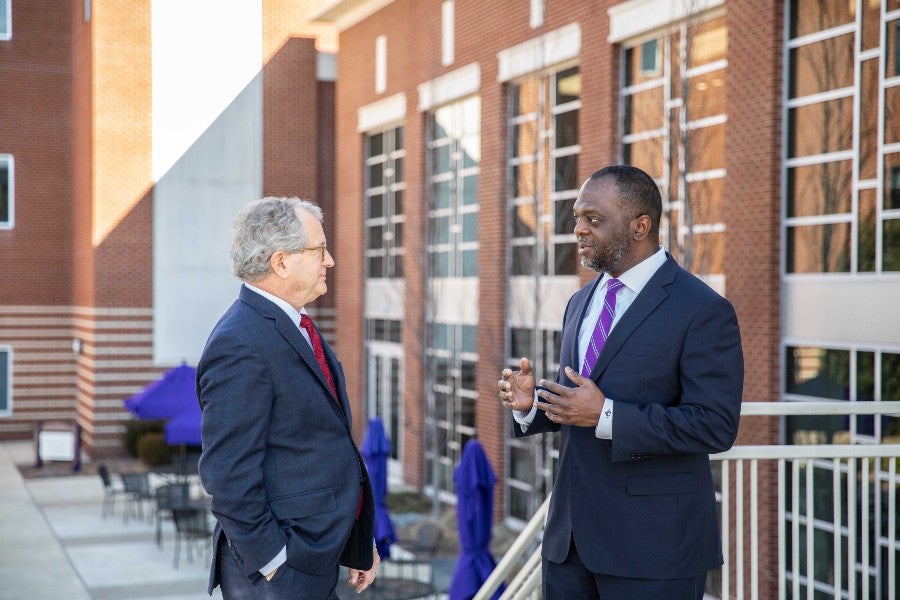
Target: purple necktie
{"points": [[601, 329]]}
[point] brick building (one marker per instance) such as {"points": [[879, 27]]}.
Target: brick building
{"points": [[464, 130], [130, 134]]}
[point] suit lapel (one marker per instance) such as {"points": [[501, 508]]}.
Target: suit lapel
{"points": [[291, 333], [645, 303]]}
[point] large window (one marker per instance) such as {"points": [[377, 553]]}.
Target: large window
{"points": [[454, 153], [842, 158], [450, 417], [543, 173], [544, 145], [673, 121], [850, 374], [5, 381], [7, 181], [384, 204], [5, 19], [532, 460]]}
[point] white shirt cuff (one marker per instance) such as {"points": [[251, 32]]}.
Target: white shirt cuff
{"points": [[604, 427], [276, 562], [523, 418]]}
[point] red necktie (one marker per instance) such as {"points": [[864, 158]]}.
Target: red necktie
{"points": [[316, 341]]}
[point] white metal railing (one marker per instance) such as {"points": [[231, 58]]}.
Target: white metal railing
{"points": [[862, 492]]}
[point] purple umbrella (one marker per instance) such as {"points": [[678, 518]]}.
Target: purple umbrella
{"points": [[184, 428], [475, 479], [168, 396], [375, 450]]}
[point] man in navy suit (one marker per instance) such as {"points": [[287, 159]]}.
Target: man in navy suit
{"points": [[289, 488], [633, 511]]}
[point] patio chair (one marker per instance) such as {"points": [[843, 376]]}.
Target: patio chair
{"points": [[137, 492], [169, 496], [191, 526], [111, 489], [419, 566]]}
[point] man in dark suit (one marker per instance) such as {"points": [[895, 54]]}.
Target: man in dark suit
{"points": [[650, 383], [289, 487]]}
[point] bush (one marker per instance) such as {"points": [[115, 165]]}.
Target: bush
{"points": [[136, 428], [153, 450]]}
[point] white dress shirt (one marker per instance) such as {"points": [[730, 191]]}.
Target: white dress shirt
{"points": [[633, 281]]}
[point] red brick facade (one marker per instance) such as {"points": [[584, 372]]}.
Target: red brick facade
{"points": [[76, 114]]}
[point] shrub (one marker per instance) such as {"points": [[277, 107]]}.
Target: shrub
{"points": [[136, 428], [153, 450]]}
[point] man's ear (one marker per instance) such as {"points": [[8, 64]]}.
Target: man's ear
{"points": [[640, 227], [277, 263]]}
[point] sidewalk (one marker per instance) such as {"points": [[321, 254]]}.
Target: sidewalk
{"points": [[55, 546]]}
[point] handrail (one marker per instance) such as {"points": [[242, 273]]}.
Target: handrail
{"points": [[528, 577], [508, 563]]}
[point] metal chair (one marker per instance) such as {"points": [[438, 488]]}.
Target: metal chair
{"points": [[169, 496], [191, 525], [111, 489], [420, 566], [137, 491]]}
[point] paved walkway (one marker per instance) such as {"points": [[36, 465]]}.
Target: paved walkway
{"points": [[55, 546]]}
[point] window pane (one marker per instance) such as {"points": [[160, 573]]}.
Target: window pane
{"points": [[520, 342], [564, 259], [707, 200], [470, 227], [646, 155], [707, 95], [398, 202], [644, 111], [522, 260], [818, 248], [891, 245], [442, 194], [4, 378], [639, 66], [809, 16], [706, 148], [866, 236], [470, 263], [568, 85], [818, 372], [376, 206], [566, 173], [4, 191], [376, 237], [868, 120], [376, 144], [376, 266], [892, 181], [822, 66], [469, 338], [523, 180], [821, 127], [398, 169], [523, 139], [564, 217], [470, 190], [890, 391], [524, 221], [440, 233], [822, 189], [441, 159], [709, 42], [865, 390], [440, 264], [566, 126], [892, 61], [376, 175]]}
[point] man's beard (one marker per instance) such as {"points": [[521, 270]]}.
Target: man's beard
{"points": [[606, 257]]}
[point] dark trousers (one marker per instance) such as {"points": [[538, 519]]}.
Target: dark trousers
{"points": [[287, 584], [571, 580]]}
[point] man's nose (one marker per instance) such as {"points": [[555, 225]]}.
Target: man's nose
{"points": [[580, 227]]}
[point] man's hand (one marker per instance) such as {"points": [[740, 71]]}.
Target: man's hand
{"points": [[362, 579], [579, 406], [517, 388]]}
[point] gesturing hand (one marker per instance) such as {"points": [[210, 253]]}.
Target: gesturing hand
{"points": [[517, 387], [579, 406]]}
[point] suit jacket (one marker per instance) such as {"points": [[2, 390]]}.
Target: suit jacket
{"points": [[642, 505], [278, 457]]}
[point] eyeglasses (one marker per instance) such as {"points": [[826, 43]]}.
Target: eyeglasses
{"points": [[322, 250]]}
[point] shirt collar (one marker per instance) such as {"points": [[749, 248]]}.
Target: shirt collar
{"points": [[292, 313], [637, 276]]}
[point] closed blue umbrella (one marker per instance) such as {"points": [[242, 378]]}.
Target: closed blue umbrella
{"points": [[168, 396], [376, 448], [475, 479]]}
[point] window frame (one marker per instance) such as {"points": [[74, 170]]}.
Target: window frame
{"points": [[9, 222], [7, 390], [6, 5]]}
